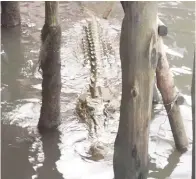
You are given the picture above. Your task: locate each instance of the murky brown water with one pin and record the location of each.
(25, 154)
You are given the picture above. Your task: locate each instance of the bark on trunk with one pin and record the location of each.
(50, 65)
(10, 15)
(193, 116)
(51, 13)
(138, 62)
(168, 91)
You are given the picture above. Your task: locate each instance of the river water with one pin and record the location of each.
(25, 154)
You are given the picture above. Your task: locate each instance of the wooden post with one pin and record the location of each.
(138, 62)
(51, 13)
(162, 31)
(10, 15)
(50, 65)
(193, 118)
(169, 94)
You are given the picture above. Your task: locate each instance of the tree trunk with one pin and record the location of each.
(138, 62)
(10, 15)
(51, 13)
(167, 88)
(50, 65)
(193, 118)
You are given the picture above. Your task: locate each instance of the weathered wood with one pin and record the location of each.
(51, 13)
(10, 15)
(193, 119)
(138, 63)
(50, 65)
(162, 28)
(165, 84)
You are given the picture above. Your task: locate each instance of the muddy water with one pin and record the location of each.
(25, 154)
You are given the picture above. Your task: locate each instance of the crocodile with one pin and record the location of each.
(97, 51)
(99, 102)
(93, 106)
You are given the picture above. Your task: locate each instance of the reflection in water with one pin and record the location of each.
(15, 145)
(14, 153)
(173, 160)
(50, 140)
(12, 61)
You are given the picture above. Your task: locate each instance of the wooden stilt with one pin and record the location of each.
(50, 65)
(169, 94)
(139, 29)
(193, 118)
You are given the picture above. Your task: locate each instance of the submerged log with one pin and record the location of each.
(139, 29)
(193, 119)
(50, 65)
(165, 84)
(10, 15)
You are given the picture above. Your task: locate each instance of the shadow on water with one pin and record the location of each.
(14, 153)
(173, 160)
(16, 142)
(50, 140)
(14, 84)
(16, 150)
